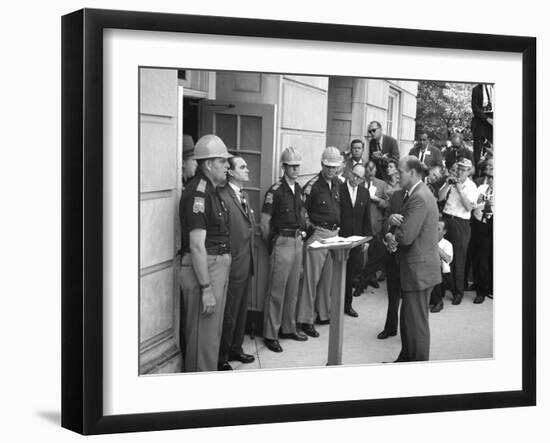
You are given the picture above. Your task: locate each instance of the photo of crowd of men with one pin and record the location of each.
(429, 212)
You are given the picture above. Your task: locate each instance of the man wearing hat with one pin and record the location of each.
(206, 257)
(322, 203)
(283, 225)
(459, 195)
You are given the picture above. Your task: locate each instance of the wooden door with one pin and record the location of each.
(248, 129)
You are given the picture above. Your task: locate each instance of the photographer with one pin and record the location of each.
(459, 195)
(482, 122)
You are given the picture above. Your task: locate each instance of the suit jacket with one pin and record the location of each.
(420, 267)
(241, 231)
(477, 105)
(355, 219)
(432, 156)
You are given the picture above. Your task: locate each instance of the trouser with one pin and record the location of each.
(354, 265)
(414, 326)
(316, 290)
(480, 130)
(458, 233)
(438, 292)
(377, 257)
(393, 287)
(282, 294)
(482, 256)
(234, 318)
(203, 332)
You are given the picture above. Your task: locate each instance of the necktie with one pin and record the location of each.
(406, 197)
(378, 146)
(422, 156)
(244, 203)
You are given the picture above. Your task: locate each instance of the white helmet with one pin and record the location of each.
(211, 146)
(331, 156)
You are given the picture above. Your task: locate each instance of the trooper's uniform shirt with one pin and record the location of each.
(284, 206)
(286, 225)
(323, 203)
(202, 208)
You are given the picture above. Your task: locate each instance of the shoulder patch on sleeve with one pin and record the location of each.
(269, 198)
(310, 184)
(201, 187)
(275, 186)
(198, 205)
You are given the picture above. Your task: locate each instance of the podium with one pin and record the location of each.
(339, 248)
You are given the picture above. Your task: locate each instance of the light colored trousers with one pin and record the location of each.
(203, 332)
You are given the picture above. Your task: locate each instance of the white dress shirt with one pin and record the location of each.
(352, 193)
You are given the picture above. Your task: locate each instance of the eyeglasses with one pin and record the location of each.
(372, 131)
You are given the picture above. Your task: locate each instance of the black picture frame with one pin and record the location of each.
(82, 219)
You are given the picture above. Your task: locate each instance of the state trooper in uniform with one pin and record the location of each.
(322, 203)
(206, 256)
(283, 224)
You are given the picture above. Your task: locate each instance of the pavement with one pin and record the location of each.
(458, 332)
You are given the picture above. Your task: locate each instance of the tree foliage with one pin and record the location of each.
(442, 109)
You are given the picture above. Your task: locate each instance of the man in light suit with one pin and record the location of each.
(241, 228)
(429, 155)
(381, 148)
(355, 220)
(416, 234)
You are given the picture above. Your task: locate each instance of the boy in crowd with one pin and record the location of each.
(446, 256)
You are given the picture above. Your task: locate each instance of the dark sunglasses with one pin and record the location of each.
(372, 130)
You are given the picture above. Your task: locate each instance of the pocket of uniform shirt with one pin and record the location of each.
(284, 209)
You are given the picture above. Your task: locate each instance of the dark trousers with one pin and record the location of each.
(393, 286)
(458, 233)
(482, 256)
(414, 326)
(377, 257)
(354, 265)
(438, 292)
(234, 318)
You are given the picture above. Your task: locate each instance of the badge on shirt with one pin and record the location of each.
(269, 198)
(201, 186)
(198, 205)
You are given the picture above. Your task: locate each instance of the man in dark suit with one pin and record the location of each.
(416, 234)
(482, 122)
(355, 220)
(429, 155)
(393, 281)
(241, 228)
(381, 148)
(356, 152)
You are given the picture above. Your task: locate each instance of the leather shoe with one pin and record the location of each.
(241, 356)
(224, 366)
(357, 292)
(385, 334)
(298, 336)
(351, 312)
(273, 345)
(437, 307)
(318, 321)
(457, 299)
(310, 330)
(373, 283)
(479, 299)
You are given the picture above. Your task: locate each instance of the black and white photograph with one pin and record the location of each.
(295, 221)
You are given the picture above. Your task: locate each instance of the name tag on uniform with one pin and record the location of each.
(198, 205)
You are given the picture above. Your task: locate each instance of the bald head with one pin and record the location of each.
(356, 175)
(411, 171)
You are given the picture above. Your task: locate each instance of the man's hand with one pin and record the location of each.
(377, 154)
(208, 301)
(490, 121)
(395, 220)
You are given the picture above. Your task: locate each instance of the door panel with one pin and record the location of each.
(248, 129)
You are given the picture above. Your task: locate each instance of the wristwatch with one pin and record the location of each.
(206, 286)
